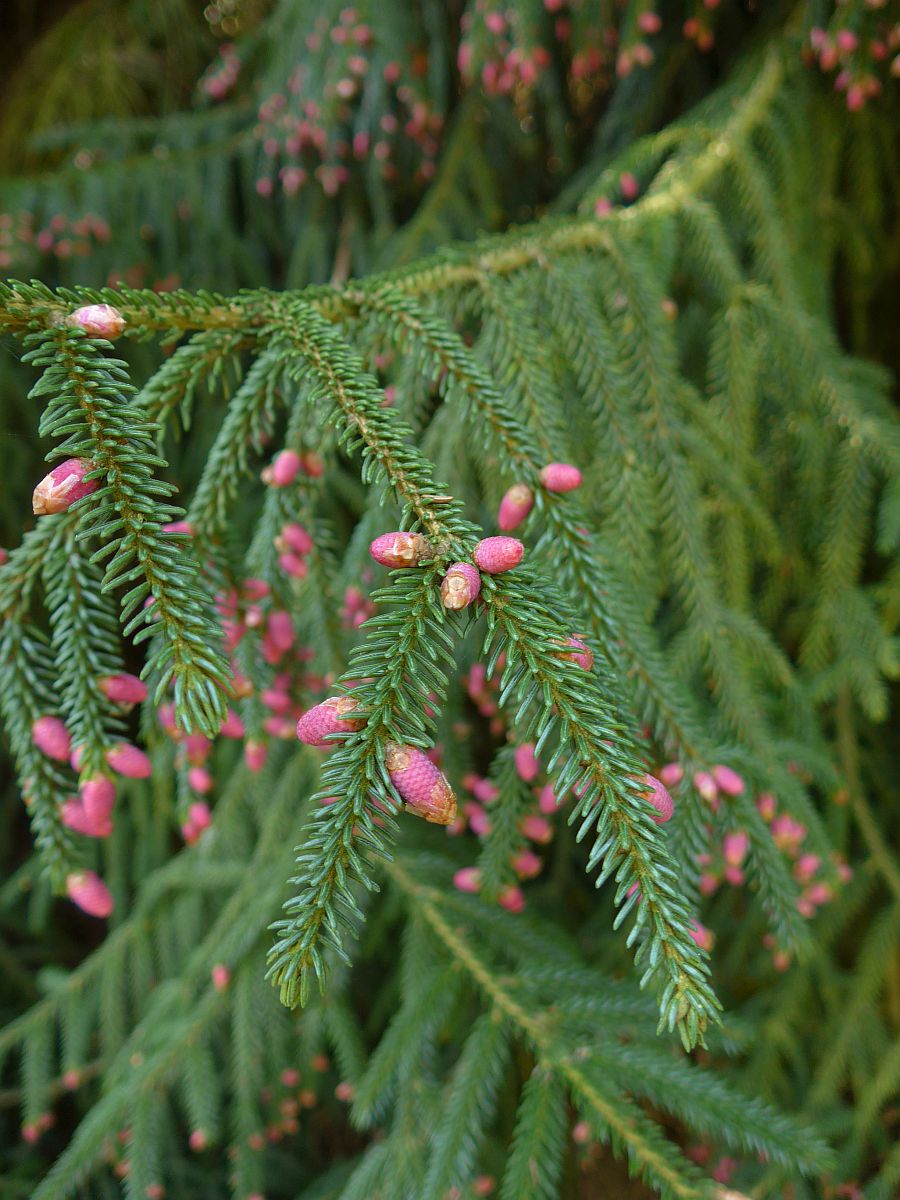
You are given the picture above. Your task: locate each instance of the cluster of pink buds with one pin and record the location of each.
(65, 484)
(293, 544)
(494, 51)
(90, 813)
(223, 75)
(483, 694)
(356, 608)
(856, 56)
(63, 236)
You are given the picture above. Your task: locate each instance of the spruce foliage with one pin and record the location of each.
(729, 561)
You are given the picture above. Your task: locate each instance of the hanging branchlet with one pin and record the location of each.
(89, 408)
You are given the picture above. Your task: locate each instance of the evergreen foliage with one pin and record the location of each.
(729, 565)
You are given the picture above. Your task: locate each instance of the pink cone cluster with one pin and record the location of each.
(65, 484)
(294, 544)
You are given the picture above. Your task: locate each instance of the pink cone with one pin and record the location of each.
(460, 587)
(706, 786)
(547, 800)
(129, 761)
(527, 864)
(99, 321)
(560, 477)
(400, 549)
(659, 797)
(671, 774)
(90, 893)
(221, 977)
(65, 484)
(527, 766)
(484, 791)
(98, 797)
(284, 469)
(735, 847)
(580, 654)
(316, 725)
(123, 689)
(705, 938)
(232, 726)
(280, 628)
(537, 829)
(512, 899)
(200, 780)
(74, 816)
(296, 538)
(515, 506)
(727, 780)
(419, 783)
(494, 555)
(467, 879)
(255, 755)
(51, 737)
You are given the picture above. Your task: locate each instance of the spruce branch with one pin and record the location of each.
(89, 408)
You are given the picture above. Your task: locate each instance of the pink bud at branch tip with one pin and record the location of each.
(123, 689)
(659, 797)
(494, 555)
(99, 321)
(319, 723)
(400, 549)
(461, 586)
(65, 484)
(515, 506)
(419, 783)
(90, 893)
(560, 477)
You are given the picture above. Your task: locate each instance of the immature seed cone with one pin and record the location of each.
(98, 797)
(65, 484)
(315, 726)
(423, 788)
(123, 689)
(494, 555)
(461, 586)
(98, 320)
(51, 737)
(129, 761)
(579, 653)
(400, 549)
(515, 506)
(728, 781)
(75, 816)
(659, 797)
(90, 893)
(283, 470)
(560, 477)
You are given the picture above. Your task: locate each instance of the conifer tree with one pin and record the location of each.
(447, 656)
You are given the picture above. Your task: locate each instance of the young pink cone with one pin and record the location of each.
(705, 938)
(123, 689)
(296, 538)
(735, 847)
(200, 780)
(280, 628)
(232, 726)
(527, 864)
(400, 549)
(460, 587)
(51, 737)
(537, 829)
(467, 879)
(494, 555)
(422, 787)
(90, 893)
(316, 725)
(255, 755)
(74, 816)
(65, 484)
(560, 477)
(284, 469)
(484, 791)
(98, 797)
(706, 786)
(728, 781)
(99, 321)
(671, 774)
(547, 800)
(221, 977)
(512, 899)
(659, 797)
(527, 766)
(129, 761)
(515, 506)
(580, 654)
